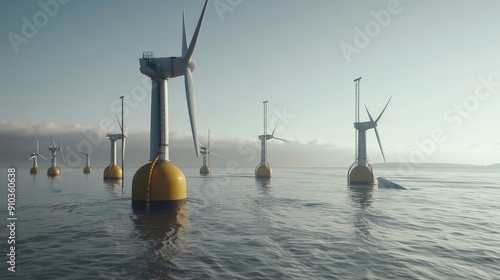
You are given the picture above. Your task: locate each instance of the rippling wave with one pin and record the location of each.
(301, 224)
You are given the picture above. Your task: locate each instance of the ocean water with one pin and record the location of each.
(302, 224)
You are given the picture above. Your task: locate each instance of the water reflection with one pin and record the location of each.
(163, 230)
(264, 185)
(361, 196)
(55, 182)
(362, 200)
(116, 186)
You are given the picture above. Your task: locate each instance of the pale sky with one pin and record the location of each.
(64, 66)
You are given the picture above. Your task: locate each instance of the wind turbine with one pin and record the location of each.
(53, 169)
(113, 171)
(263, 170)
(160, 183)
(205, 151)
(34, 156)
(87, 169)
(361, 171)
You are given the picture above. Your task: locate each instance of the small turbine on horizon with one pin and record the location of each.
(53, 169)
(205, 151)
(34, 156)
(113, 171)
(361, 171)
(160, 183)
(87, 169)
(263, 170)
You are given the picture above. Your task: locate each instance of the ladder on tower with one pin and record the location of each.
(163, 143)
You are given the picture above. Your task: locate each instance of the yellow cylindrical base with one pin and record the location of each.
(113, 172)
(167, 186)
(362, 175)
(35, 170)
(205, 170)
(53, 171)
(263, 171)
(87, 170)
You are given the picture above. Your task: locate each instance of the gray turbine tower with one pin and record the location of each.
(160, 182)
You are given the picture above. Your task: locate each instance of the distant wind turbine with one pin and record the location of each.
(206, 150)
(361, 171)
(113, 171)
(87, 169)
(54, 169)
(263, 170)
(34, 156)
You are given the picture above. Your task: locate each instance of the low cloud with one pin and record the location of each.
(20, 140)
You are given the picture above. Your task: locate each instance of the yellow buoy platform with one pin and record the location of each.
(87, 170)
(362, 175)
(263, 171)
(35, 170)
(112, 172)
(205, 170)
(163, 186)
(53, 171)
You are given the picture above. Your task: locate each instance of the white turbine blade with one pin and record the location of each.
(192, 44)
(42, 156)
(369, 115)
(212, 153)
(123, 154)
(282, 139)
(188, 78)
(184, 40)
(119, 124)
(60, 145)
(31, 158)
(274, 128)
(209, 145)
(64, 160)
(380, 144)
(53, 142)
(383, 110)
(37, 149)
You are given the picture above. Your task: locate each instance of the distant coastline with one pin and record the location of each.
(433, 165)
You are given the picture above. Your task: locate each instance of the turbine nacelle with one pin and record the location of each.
(37, 154)
(364, 126)
(203, 150)
(163, 68)
(114, 137)
(265, 137)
